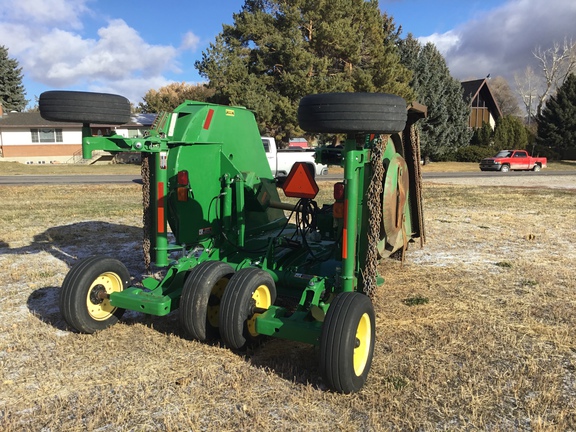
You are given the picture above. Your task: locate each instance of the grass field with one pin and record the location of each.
(474, 332)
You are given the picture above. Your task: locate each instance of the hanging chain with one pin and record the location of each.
(146, 214)
(375, 215)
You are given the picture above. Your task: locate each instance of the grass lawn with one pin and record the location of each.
(475, 331)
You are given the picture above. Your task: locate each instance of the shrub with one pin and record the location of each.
(473, 153)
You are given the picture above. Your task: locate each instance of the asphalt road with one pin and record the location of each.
(119, 179)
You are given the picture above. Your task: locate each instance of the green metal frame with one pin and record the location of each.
(233, 213)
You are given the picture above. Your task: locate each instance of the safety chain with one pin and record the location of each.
(415, 143)
(375, 215)
(146, 214)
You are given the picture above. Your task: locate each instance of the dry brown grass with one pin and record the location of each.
(17, 168)
(494, 347)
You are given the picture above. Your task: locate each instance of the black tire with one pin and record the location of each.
(347, 342)
(80, 304)
(249, 288)
(200, 300)
(352, 113)
(84, 107)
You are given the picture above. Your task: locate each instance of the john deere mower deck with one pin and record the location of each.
(235, 253)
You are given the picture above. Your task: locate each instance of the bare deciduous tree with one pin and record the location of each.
(527, 87)
(505, 97)
(556, 63)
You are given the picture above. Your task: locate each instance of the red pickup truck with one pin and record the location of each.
(507, 160)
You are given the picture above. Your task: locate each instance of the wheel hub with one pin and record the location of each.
(98, 294)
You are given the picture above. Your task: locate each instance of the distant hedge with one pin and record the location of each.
(474, 153)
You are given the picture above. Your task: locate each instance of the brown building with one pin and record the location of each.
(483, 105)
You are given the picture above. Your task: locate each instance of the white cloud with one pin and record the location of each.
(44, 36)
(45, 12)
(190, 42)
(444, 42)
(501, 41)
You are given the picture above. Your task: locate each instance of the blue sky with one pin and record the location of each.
(128, 47)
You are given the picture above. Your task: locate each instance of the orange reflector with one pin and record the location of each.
(338, 210)
(182, 193)
(300, 182)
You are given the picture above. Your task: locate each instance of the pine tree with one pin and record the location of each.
(445, 129)
(510, 133)
(278, 51)
(557, 122)
(11, 89)
(482, 136)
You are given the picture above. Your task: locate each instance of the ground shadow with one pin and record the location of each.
(43, 304)
(74, 242)
(290, 360)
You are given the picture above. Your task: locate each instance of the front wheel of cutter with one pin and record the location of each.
(249, 291)
(84, 296)
(347, 342)
(201, 296)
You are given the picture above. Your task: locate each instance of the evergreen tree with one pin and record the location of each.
(483, 136)
(278, 51)
(510, 133)
(11, 89)
(445, 129)
(557, 122)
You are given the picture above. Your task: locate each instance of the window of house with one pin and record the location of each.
(46, 135)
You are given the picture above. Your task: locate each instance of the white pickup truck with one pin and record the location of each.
(281, 161)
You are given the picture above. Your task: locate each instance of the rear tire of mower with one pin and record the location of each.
(201, 296)
(352, 113)
(347, 342)
(249, 288)
(80, 305)
(84, 107)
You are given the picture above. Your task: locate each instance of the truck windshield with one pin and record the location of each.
(503, 154)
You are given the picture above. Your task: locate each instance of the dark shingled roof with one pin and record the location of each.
(471, 89)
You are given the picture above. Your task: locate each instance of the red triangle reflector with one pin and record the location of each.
(300, 182)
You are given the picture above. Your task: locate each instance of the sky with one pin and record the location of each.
(128, 47)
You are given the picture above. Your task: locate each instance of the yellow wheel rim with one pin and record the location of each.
(363, 342)
(100, 308)
(213, 311)
(262, 299)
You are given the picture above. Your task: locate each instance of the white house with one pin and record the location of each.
(28, 138)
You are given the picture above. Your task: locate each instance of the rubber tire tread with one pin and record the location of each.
(235, 306)
(352, 113)
(338, 339)
(84, 107)
(72, 301)
(196, 295)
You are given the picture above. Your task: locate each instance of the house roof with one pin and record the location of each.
(480, 87)
(34, 119)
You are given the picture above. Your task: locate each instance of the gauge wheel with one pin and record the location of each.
(84, 107)
(85, 293)
(347, 342)
(352, 113)
(249, 291)
(201, 296)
